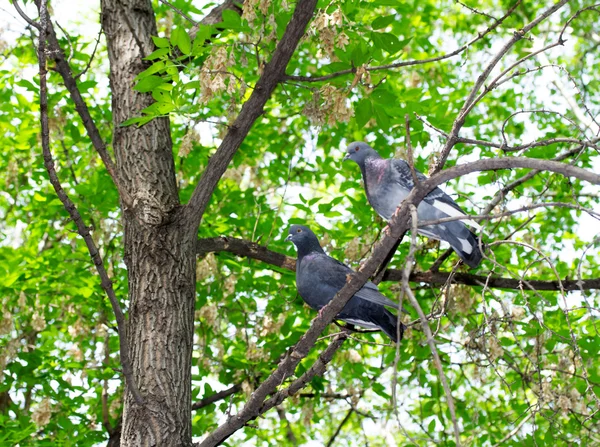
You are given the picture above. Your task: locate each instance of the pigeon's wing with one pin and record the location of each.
(336, 273)
(370, 292)
(437, 198)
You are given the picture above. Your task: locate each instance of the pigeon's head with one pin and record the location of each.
(359, 152)
(303, 238)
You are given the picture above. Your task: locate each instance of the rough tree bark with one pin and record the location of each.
(159, 250)
(160, 246)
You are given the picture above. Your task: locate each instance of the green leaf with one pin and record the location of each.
(157, 54)
(160, 42)
(231, 20)
(382, 22)
(149, 83)
(154, 68)
(387, 42)
(363, 112)
(181, 39)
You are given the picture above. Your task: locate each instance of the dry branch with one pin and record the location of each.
(257, 404)
(57, 54)
(82, 229)
(398, 225)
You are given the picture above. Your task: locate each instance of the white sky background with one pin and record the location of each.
(83, 17)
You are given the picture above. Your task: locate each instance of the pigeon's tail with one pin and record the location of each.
(388, 322)
(464, 242)
(466, 245)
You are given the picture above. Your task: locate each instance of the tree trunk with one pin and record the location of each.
(159, 250)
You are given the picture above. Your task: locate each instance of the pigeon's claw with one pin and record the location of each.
(387, 230)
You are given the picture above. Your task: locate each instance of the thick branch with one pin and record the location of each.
(339, 427)
(493, 164)
(398, 225)
(257, 405)
(317, 369)
(251, 110)
(252, 250)
(82, 229)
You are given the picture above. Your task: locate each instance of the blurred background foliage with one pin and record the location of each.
(522, 364)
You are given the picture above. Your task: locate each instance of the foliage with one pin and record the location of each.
(518, 361)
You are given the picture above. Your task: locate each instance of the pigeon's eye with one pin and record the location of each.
(298, 230)
(356, 149)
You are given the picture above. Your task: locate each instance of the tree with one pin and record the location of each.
(212, 137)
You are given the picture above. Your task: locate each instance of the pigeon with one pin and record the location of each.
(319, 277)
(389, 181)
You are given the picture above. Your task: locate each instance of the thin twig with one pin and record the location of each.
(179, 11)
(462, 115)
(339, 427)
(436, 360)
(456, 52)
(89, 63)
(58, 55)
(409, 151)
(25, 17)
(245, 248)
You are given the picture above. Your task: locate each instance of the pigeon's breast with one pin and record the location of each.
(384, 195)
(309, 284)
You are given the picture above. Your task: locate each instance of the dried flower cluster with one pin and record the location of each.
(206, 267)
(330, 37)
(42, 413)
(38, 322)
(214, 73)
(352, 250)
(209, 313)
(330, 105)
(187, 142)
(7, 353)
(114, 408)
(270, 326)
(6, 322)
(462, 298)
(495, 350)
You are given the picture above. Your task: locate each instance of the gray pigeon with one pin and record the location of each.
(319, 277)
(388, 182)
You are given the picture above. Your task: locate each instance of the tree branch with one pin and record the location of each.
(339, 427)
(257, 405)
(456, 52)
(82, 229)
(215, 15)
(462, 115)
(56, 52)
(398, 225)
(251, 110)
(206, 401)
(252, 250)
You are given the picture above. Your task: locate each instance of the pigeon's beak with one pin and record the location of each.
(346, 157)
(289, 237)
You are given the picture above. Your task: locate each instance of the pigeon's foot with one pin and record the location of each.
(321, 312)
(387, 230)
